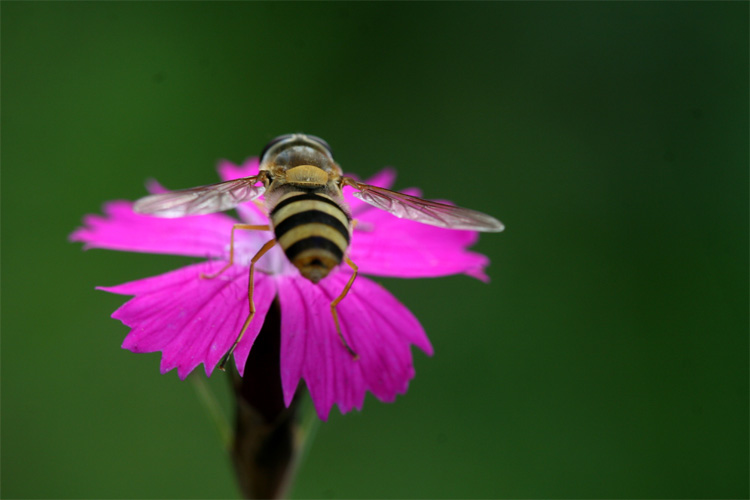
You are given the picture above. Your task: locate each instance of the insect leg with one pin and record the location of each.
(231, 247)
(339, 299)
(250, 286)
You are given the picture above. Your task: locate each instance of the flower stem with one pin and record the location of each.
(270, 438)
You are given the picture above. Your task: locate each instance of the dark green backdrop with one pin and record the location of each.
(607, 358)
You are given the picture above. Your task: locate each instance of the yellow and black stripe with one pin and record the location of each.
(313, 231)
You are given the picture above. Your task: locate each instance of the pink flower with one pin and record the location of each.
(192, 320)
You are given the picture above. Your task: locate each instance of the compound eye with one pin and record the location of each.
(273, 143)
(322, 143)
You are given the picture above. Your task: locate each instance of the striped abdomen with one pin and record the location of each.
(313, 230)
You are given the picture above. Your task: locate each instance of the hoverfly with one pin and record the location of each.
(309, 217)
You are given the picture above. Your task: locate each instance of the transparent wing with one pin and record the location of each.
(424, 211)
(201, 200)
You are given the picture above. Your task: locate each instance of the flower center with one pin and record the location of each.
(248, 243)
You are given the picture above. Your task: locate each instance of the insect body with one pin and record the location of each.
(313, 230)
(306, 207)
(310, 219)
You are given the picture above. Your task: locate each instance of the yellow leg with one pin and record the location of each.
(231, 247)
(250, 287)
(339, 299)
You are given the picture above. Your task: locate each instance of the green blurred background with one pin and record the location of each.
(608, 357)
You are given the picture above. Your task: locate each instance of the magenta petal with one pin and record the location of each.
(229, 171)
(154, 187)
(122, 229)
(378, 327)
(384, 245)
(192, 320)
